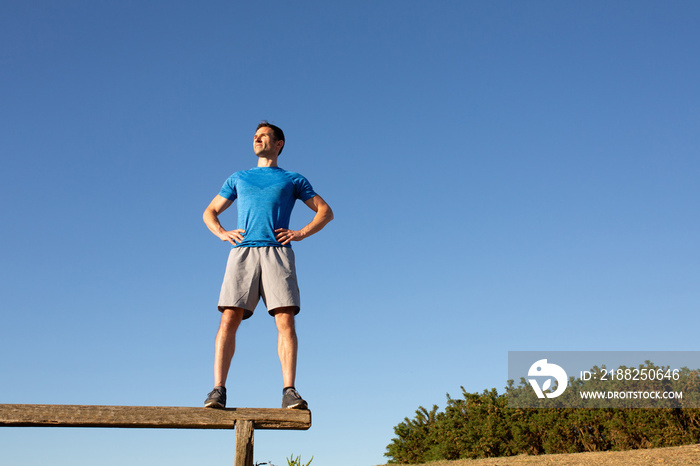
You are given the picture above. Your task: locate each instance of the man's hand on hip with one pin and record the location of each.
(285, 236)
(232, 236)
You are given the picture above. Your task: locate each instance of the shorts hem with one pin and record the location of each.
(247, 313)
(297, 309)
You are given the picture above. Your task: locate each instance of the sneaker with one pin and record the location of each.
(216, 398)
(292, 400)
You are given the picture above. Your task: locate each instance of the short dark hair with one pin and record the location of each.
(276, 130)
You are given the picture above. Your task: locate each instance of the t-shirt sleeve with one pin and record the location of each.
(304, 191)
(228, 190)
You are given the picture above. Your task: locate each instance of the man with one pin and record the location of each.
(261, 261)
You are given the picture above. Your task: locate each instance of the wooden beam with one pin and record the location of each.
(158, 417)
(244, 444)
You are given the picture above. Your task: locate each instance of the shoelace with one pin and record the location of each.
(217, 390)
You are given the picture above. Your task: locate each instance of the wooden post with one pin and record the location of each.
(244, 443)
(244, 420)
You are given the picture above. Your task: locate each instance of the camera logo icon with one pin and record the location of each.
(543, 369)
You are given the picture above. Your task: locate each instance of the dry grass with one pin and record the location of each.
(685, 455)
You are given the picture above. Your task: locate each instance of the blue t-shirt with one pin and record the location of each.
(266, 196)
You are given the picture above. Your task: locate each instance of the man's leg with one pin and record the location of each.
(287, 349)
(287, 344)
(225, 345)
(224, 348)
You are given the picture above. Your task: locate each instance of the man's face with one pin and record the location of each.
(265, 144)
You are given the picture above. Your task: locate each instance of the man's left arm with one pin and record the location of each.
(324, 214)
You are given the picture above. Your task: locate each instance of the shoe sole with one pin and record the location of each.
(301, 405)
(214, 404)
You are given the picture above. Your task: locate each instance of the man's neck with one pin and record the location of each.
(267, 161)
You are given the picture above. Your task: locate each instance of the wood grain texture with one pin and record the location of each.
(153, 417)
(244, 444)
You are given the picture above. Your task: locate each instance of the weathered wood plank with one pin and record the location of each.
(158, 417)
(244, 444)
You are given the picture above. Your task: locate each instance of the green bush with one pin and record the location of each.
(481, 425)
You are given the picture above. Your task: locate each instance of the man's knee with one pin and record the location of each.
(284, 318)
(231, 317)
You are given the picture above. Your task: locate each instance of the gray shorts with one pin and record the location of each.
(254, 272)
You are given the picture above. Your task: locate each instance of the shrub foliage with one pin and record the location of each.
(481, 425)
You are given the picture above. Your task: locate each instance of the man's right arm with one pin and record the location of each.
(211, 220)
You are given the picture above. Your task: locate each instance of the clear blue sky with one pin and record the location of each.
(504, 176)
